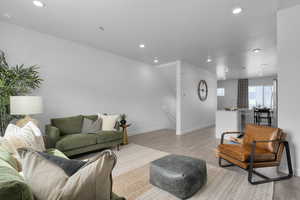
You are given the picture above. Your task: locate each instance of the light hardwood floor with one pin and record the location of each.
(201, 144)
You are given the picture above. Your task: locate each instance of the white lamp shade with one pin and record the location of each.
(26, 105)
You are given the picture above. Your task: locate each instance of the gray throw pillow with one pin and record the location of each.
(70, 166)
(90, 126)
(49, 181)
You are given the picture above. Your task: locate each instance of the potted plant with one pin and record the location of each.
(14, 81)
(123, 119)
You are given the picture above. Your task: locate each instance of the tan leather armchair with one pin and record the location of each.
(261, 146)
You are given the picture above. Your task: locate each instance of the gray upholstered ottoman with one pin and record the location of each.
(181, 176)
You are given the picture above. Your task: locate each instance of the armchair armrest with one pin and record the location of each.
(228, 133)
(253, 146)
(53, 135)
(264, 141)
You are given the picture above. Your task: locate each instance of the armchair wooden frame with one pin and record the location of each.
(252, 164)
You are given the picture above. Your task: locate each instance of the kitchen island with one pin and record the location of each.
(227, 121)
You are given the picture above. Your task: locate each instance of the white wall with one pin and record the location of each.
(262, 81)
(83, 80)
(288, 40)
(196, 114)
(168, 72)
(230, 98)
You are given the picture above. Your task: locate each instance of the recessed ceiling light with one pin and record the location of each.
(38, 4)
(257, 50)
(142, 46)
(209, 60)
(101, 28)
(237, 10)
(155, 60)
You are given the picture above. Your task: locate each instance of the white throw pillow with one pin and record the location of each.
(7, 146)
(34, 136)
(27, 136)
(14, 137)
(109, 122)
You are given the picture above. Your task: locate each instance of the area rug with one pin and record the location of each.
(131, 180)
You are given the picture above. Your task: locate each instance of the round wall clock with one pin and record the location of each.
(202, 90)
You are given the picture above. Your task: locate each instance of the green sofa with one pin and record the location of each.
(65, 135)
(12, 184)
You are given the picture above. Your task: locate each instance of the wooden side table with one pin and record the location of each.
(125, 134)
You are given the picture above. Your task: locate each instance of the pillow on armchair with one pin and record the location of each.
(92, 181)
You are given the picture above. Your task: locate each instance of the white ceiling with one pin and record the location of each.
(171, 29)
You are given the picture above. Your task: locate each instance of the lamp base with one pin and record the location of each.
(25, 120)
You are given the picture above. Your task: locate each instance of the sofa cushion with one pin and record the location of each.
(56, 152)
(74, 141)
(107, 136)
(12, 185)
(242, 153)
(68, 125)
(91, 117)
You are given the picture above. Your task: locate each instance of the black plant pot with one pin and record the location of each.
(123, 122)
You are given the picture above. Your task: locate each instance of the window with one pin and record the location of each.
(260, 96)
(220, 92)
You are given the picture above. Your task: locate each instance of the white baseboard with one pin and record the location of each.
(183, 132)
(132, 133)
(297, 172)
(160, 129)
(284, 169)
